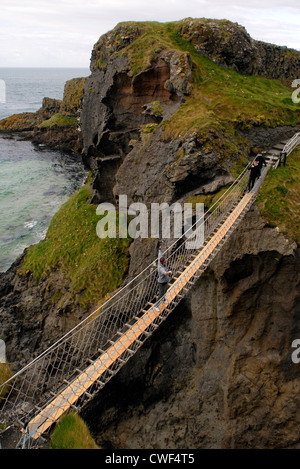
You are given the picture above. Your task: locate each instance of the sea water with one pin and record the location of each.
(23, 89)
(34, 181)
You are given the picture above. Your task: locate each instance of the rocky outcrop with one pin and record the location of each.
(27, 121)
(117, 105)
(186, 165)
(230, 45)
(68, 138)
(30, 317)
(123, 107)
(55, 124)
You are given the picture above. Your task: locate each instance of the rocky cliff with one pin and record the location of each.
(230, 45)
(173, 112)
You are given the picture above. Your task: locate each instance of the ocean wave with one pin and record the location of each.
(30, 224)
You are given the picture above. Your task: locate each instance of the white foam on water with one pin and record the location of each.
(30, 224)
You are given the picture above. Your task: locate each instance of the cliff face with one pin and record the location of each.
(31, 319)
(116, 106)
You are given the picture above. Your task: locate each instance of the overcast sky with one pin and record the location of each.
(61, 33)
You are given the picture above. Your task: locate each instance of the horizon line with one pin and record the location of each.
(35, 66)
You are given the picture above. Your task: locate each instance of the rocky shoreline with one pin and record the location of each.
(55, 124)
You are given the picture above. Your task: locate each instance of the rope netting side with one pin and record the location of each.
(46, 376)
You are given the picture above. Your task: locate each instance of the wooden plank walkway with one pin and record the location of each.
(80, 385)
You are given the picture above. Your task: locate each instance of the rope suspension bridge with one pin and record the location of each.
(69, 373)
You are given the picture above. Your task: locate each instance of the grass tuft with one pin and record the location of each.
(278, 199)
(72, 433)
(5, 374)
(60, 120)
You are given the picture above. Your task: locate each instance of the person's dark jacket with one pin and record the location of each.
(261, 161)
(254, 171)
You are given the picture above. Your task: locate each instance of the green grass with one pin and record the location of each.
(72, 433)
(94, 266)
(73, 92)
(148, 128)
(223, 98)
(278, 199)
(208, 200)
(60, 120)
(154, 37)
(5, 374)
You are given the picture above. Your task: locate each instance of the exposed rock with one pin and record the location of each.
(67, 138)
(25, 121)
(49, 108)
(264, 138)
(230, 45)
(116, 106)
(111, 42)
(184, 165)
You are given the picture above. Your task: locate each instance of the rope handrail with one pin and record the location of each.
(69, 395)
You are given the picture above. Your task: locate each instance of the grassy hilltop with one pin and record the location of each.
(221, 97)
